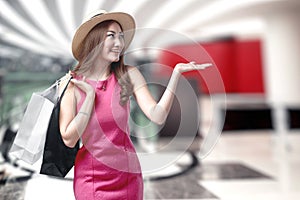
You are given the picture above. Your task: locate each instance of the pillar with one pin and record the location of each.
(282, 66)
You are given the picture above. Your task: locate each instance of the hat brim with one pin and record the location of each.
(125, 20)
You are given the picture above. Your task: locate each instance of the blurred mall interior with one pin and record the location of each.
(233, 129)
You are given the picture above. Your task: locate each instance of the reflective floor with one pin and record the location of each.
(256, 165)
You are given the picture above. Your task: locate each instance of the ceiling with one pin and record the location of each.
(46, 26)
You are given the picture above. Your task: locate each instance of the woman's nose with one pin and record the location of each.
(119, 41)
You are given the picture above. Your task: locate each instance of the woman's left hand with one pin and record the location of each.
(186, 67)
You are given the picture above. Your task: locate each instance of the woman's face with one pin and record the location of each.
(113, 43)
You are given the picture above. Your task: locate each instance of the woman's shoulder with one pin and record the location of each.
(132, 70)
(65, 81)
(130, 67)
(135, 75)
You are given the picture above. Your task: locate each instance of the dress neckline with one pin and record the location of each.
(99, 81)
(80, 77)
(100, 84)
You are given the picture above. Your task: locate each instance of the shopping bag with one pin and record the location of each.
(29, 142)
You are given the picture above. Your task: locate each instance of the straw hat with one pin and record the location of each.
(125, 20)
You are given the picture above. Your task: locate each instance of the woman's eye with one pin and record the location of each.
(110, 35)
(113, 35)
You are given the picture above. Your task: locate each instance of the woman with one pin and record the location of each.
(95, 108)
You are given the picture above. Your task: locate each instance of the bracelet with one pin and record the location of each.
(84, 113)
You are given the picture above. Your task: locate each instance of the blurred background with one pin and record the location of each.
(241, 118)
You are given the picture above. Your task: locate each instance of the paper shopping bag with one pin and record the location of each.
(29, 142)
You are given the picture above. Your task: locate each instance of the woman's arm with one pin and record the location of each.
(158, 111)
(73, 124)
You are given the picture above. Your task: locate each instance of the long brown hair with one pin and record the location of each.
(89, 51)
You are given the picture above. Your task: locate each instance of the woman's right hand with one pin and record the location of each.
(84, 86)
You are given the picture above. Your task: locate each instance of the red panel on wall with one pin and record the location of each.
(222, 53)
(249, 73)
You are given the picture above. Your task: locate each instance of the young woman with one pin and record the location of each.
(95, 108)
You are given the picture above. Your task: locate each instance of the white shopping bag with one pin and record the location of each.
(29, 142)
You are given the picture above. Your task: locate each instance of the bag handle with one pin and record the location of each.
(65, 88)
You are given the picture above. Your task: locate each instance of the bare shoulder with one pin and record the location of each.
(63, 83)
(131, 68)
(133, 72)
(137, 79)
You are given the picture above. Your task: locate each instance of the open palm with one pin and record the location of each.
(186, 67)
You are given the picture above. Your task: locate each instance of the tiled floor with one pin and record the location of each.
(265, 153)
(243, 165)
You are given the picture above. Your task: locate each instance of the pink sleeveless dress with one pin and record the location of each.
(106, 166)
